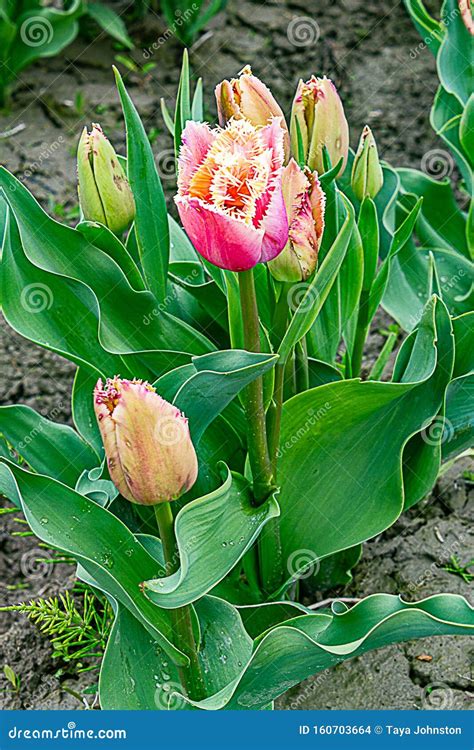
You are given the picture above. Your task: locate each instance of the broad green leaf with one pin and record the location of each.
(44, 313)
(101, 236)
(129, 321)
(101, 543)
(459, 421)
(445, 118)
(47, 447)
(213, 533)
(203, 390)
(316, 292)
(326, 432)
(82, 405)
(137, 675)
(151, 220)
(455, 61)
(289, 653)
(430, 30)
(438, 202)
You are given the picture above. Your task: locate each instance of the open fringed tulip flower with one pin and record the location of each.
(229, 192)
(319, 113)
(149, 451)
(305, 204)
(104, 191)
(247, 97)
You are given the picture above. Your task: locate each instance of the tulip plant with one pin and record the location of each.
(224, 444)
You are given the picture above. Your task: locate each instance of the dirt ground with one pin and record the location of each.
(369, 48)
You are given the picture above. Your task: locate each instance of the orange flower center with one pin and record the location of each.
(235, 172)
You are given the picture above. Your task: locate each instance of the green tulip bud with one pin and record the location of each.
(104, 191)
(367, 175)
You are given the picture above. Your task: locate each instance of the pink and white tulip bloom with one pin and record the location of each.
(150, 455)
(305, 204)
(229, 192)
(247, 97)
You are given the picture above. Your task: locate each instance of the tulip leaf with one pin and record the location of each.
(47, 303)
(129, 321)
(455, 70)
(325, 433)
(292, 651)
(203, 389)
(46, 446)
(430, 30)
(318, 289)
(213, 533)
(136, 675)
(151, 220)
(99, 541)
(101, 236)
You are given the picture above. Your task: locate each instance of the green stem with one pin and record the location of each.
(191, 676)
(302, 369)
(275, 422)
(253, 395)
(362, 328)
(269, 544)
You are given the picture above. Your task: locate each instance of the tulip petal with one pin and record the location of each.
(197, 138)
(223, 240)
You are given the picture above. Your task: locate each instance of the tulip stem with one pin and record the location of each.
(191, 677)
(253, 395)
(362, 328)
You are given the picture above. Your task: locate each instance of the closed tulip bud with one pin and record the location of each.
(465, 8)
(248, 98)
(319, 113)
(367, 175)
(150, 455)
(104, 192)
(305, 204)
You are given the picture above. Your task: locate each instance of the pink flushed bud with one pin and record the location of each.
(150, 455)
(247, 97)
(230, 197)
(319, 113)
(305, 204)
(466, 13)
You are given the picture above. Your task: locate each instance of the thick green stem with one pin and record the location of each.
(253, 395)
(362, 328)
(269, 544)
(275, 423)
(191, 676)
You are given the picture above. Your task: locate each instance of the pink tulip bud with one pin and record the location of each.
(319, 113)
(229, 192)
(305, 204)
(150, 455)
(248, 98)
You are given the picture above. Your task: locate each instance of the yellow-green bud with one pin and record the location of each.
(367, 175)
(104, 191)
